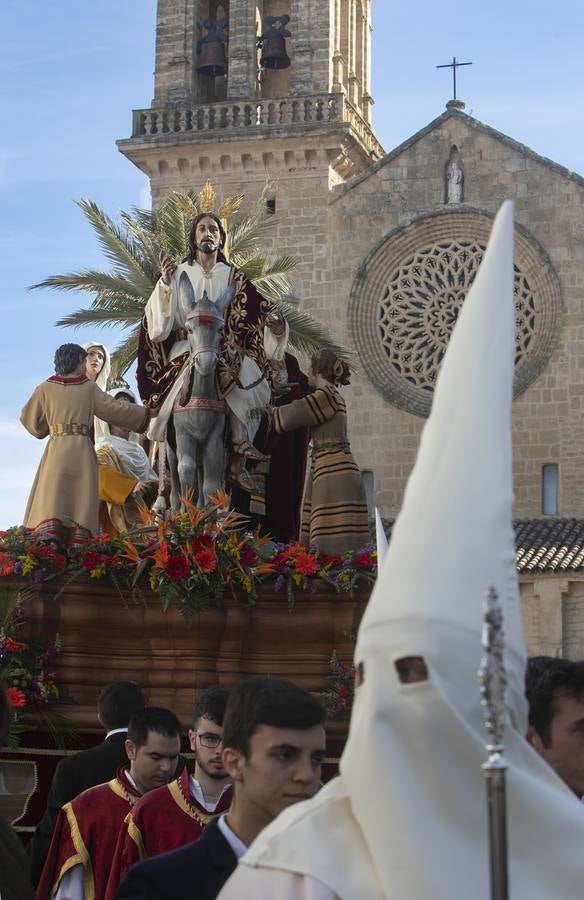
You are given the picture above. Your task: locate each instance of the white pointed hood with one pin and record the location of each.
(380, 540)
(412, 764)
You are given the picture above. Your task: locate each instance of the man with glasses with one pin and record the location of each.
(176, 814)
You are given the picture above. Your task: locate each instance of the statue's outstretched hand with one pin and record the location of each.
(280, 389)
(167, 268)
(276, 323)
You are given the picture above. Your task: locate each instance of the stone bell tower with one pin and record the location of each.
(246, 89)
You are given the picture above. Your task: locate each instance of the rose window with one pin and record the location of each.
(409, 292)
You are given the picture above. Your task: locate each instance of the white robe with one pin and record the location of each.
(251, 884)
(314, 850)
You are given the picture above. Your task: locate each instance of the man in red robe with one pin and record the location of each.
(77, 866)
(176, 814)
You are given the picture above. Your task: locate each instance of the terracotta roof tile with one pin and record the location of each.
(544, 545)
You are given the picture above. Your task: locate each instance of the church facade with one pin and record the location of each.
(388, 245)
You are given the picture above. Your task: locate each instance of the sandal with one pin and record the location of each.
(244, 480)
(244, 448)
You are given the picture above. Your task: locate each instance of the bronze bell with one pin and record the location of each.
(273, 44)
(211, 49)
(212, 59)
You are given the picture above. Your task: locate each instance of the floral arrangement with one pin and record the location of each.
(27, 671)
(198, 553)
(340, 690)
(191, 558)
(297, 566)
(21, 554)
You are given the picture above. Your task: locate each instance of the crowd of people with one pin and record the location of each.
(129, 819)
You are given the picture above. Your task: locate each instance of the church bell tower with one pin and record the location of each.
(249, 88)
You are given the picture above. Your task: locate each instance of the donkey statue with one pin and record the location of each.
(199, 414)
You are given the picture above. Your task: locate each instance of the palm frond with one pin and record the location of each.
(307, 335)
(104, 318)
(172, 227)
(147, 242)
(125, 354)
(117, 244)
(92, 281)
(145, 218)
(271, 275)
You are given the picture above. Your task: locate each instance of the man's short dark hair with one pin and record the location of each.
(152, 718)
(547, 680)
(117, 701)
(268, 701)
(212, 704)
(68, 357)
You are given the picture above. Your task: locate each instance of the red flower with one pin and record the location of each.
(6, 564)
(202, 542)
(306, 564)
(296, 547)
(11, 645)
(328, 560)
(43, 551)
(91, 560)
(364, 561)
(247, 556)
(177, 568)
(60, 561)
(206, 561)
(278, 562)
(343, 692)
(15, 697)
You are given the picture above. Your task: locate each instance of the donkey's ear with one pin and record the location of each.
(224, 299)
(186, 292)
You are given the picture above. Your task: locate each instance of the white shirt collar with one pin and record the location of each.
(236, 844)
(197, 793)
(115, 731)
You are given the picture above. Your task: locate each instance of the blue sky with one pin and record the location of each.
(71, 72)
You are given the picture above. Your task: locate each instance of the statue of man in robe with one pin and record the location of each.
(255, 369)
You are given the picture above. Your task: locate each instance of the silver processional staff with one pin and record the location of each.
(493, 681)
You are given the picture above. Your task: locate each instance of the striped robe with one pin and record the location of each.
(334, 513)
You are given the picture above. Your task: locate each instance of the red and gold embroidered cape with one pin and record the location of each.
(164, 819)
(85, 834)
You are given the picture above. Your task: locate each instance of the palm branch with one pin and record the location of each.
(133, 246)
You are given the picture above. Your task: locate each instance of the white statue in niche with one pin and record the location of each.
(454, 187)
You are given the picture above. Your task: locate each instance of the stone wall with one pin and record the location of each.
(553, 615)
(408, 184)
